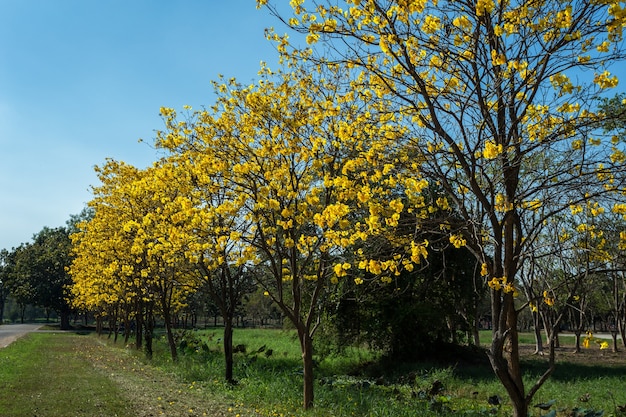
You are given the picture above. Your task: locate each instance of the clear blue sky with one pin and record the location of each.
(83, 80)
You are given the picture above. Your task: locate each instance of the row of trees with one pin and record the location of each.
(254, 194)
(418, 133)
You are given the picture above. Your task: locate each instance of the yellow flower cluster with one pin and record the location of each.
(458, 241)
(484, 7)
(605, 80)
(341, 270)
(502, 203)
(491, 150)
(548, 299)
(504, 285)
(590, 338)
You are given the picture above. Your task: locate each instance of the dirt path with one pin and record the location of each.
(11, 332)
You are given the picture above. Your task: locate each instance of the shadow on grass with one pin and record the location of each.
(473, 365)
(568, 371)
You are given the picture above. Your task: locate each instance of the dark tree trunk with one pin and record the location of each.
(306, 344)
(504, 351)
(614, 334)
(537, 331)
(65, 319)
(148, 333)
(228, 348)
(476, 326)
(2, 301)
(139, 330)
(170, 335)
(577, 335)
(99, 326)
(127, 328)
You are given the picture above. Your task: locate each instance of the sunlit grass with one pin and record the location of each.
(356, 382)
(41, 375)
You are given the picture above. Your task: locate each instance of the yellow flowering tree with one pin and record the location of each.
(100, 284)
(206, 227)
(482, 88)
(283, 162)
(126, 260)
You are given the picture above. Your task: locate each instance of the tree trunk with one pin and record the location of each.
(306, 345)
(614, 338)
(114, 326)
(65, 319)
(148, 333)
(170, 341)
(504, 353)
(228, 348)
(99, 325)
(537, 331)
(476, 336)
(167, 317)
(139, 330)
(577, 334)
(127, 328)
(476, 327)
(2, 301)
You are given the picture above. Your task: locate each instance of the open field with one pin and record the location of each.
(70, 374)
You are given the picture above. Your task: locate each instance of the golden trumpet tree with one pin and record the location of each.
(100, 249)
(483, 89)
(126, 255)
(207, 227)
(293, 168)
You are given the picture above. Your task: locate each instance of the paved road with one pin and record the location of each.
(11, 332)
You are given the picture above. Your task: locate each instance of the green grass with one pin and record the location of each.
(41, 375)
(78, 375)
(357, 383)
(74, 375)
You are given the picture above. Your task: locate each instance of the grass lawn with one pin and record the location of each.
(68, 374)
(356, 383)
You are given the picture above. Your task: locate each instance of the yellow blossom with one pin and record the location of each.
(492, 150)
(458, 241)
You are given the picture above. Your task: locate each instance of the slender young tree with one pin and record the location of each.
(205, 225)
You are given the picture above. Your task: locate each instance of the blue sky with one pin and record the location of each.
(83, 80)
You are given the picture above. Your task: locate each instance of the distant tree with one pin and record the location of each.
(45, 262)
(4, 281)
(17, 280)
(35, 273)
